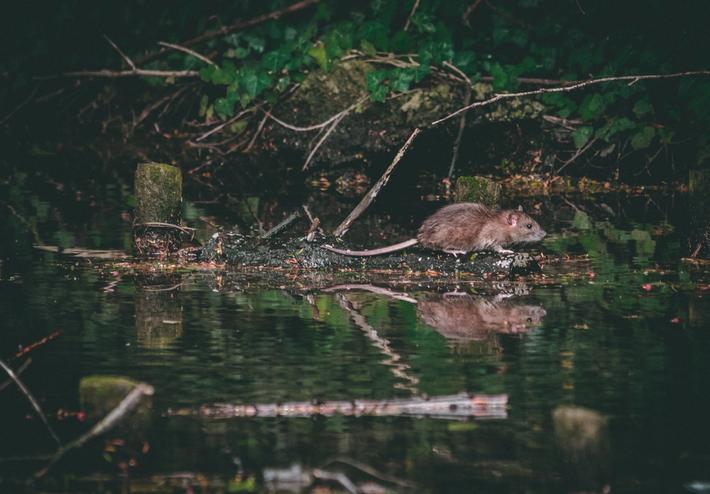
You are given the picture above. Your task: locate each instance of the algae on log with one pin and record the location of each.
(239, 251)
(158, 192)
(370, 129)
(478, 189)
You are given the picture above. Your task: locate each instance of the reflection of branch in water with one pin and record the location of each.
(129, 402)
(371, 471)
(399, 369)
(31, 399)
(19, 371)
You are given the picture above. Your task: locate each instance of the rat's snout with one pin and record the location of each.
(543, 233)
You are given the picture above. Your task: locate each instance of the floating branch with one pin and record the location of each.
(131, 401)
(459, 406)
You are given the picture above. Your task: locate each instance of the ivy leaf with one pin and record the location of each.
(274, 60)
(642, 108)
(254, 82)
(501, 78)
(368, 48)
(592, 107)
(582, 136)
(403, 79)
(319, 55)
(643, 138)
(376, 85)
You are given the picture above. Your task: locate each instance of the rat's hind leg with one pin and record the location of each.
(455, 252)
(501, 250)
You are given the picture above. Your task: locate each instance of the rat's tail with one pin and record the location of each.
(373, 252)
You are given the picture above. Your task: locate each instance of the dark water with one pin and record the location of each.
(620, 329)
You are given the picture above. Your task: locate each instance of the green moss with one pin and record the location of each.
(477, 189)
(158, 192)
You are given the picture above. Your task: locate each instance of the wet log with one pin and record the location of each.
(240, 251)
(156, 225)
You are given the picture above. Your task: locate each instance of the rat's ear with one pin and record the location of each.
(520, 208)
(513, 218)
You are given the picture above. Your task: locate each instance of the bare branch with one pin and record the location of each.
(320, 125)
(370, 196)
(321, 141)
(186, 50)
(31, 399)
(223, 31)
(411, 13)
(117, 74)
(573, 87)
(123, 55)
(462, 121)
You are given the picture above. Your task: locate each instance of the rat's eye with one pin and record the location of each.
(529, 225)
(529, 320)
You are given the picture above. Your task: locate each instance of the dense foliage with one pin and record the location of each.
(508, 43)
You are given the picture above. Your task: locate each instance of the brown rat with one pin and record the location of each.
(465, 227)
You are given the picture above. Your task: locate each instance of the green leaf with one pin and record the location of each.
(592, 107)
(368, 48)
(403, 79)
(582, 136)
(642, 108)
(376, 85)
(319, 55)
(643, 138)
(501, 78)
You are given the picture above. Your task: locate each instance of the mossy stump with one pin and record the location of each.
(482, 190)
(156, 225)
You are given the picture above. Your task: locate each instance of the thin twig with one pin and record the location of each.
(371, 471)
(381, 182)
(153, 106)
(576, 155)
(223, 31)
(31, 399)
(469, 11)
(118, 74)
(259, 128)
(280, 226)
(159, 224)
(224, 124)
(321, 141)
(20, 106)
(19, 371)
(120, 52)
(572, 87)
(462, 121)
(411, 13)
(129, 402)
(186, 50)
(322, 124)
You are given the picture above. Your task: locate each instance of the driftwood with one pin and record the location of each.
(459, 406)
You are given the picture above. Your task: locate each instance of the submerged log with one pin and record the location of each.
(457, 406)
(156, 226)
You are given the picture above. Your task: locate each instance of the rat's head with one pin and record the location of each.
(523, 227)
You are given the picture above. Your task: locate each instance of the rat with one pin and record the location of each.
(464, 227)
